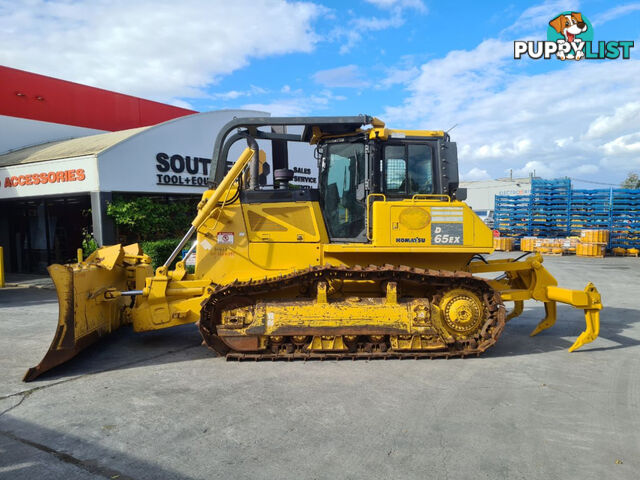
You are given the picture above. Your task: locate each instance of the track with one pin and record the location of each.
(435, 282)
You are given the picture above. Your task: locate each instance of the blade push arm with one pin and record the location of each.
(227, 181)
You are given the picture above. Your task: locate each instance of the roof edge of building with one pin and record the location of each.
(177, 119)
(127, 135)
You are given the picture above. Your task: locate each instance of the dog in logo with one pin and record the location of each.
(569, 25)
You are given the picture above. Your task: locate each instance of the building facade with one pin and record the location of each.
(66, 149)
(481, 194)
(51, 193)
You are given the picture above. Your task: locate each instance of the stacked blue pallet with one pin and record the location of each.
(511, 215)
(549, 207)
(589, 209)
(553, 209)
(625, 218)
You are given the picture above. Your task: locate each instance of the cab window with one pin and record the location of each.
(408, 169)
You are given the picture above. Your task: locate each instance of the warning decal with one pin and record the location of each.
(225, 238)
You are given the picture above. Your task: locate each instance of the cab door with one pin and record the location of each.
(342, 187)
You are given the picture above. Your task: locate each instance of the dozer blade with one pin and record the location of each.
(85, 315)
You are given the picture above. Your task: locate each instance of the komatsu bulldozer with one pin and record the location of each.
(382, 259)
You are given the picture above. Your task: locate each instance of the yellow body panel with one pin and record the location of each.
(429, 225)
(285, 222)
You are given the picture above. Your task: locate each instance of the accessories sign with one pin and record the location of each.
(54, 177)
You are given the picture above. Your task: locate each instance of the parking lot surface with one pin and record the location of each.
(159, 405)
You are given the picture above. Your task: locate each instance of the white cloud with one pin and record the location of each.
(376, 23)
(475, 174)
(537, 168)
(387, 4)
(587, 169)
(626, 117)
(235, 94)
(348, 76)
(562, 142)
(614, 13)
(448, 83)
(297, 104)
(570, 115)
(358, 27)
(156, 49)
(399, 76)
(624, 145)
(280, 108)
(537, 17)
(181, 103)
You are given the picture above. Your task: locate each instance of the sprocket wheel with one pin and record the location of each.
(462, 312)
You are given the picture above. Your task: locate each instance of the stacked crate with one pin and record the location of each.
(589, 209)
(504, 244)
(625, 219)
(549, 207)
(593, 243)
(590, 250)
(554, 209)
(549, 246)
(511, 215)
(527, 244)
(600, 237)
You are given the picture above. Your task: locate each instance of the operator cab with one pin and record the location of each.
(355, 167)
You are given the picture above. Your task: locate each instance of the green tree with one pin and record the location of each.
(89, 244)
(632, 181)
(148, 218)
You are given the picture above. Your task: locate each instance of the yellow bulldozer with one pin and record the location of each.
(382, 259)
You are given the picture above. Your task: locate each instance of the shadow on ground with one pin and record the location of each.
(45, 448)
(516, 339)
(125, 349)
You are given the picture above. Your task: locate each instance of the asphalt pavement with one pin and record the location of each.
(160, 406)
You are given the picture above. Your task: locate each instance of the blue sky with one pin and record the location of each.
(414, 63)
(422, 31)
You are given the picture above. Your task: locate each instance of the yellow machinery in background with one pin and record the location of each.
(383, 259)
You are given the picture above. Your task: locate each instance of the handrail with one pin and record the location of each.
(367, 220)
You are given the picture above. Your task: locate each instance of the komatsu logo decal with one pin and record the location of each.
(411, 240)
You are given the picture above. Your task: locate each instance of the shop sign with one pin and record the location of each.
(48, 178)
(182, 171)
(190, 171)
(72, 175)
